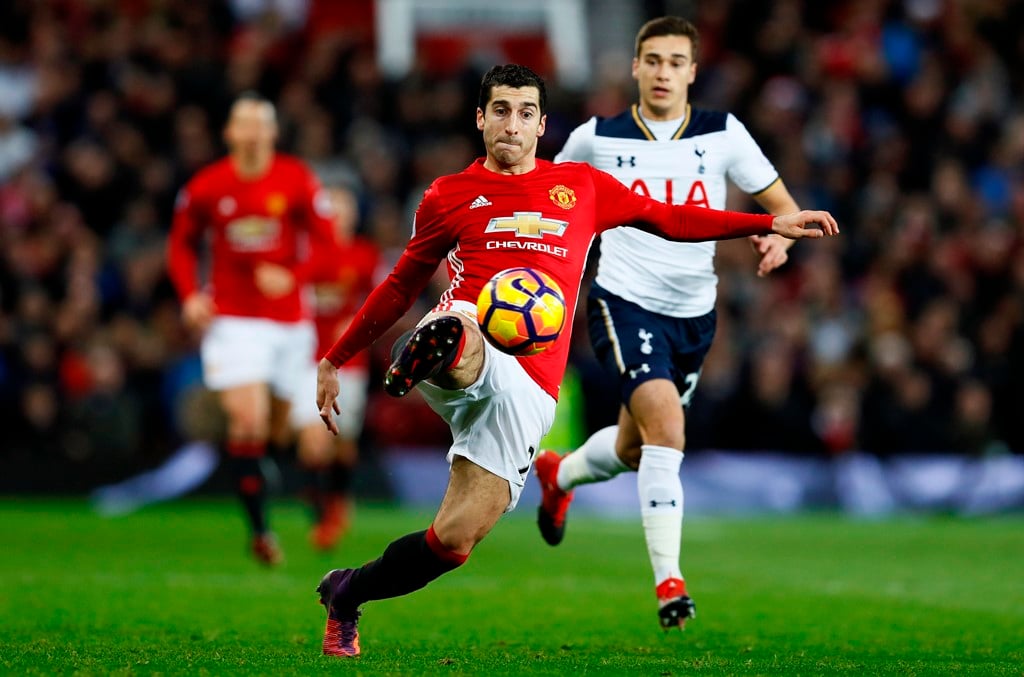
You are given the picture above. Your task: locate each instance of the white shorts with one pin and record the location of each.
(353, 383)
(497, 422)
(241, 350)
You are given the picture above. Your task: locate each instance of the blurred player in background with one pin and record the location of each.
(339, 288)
(505, 210)
(267, 224)
(652, 307)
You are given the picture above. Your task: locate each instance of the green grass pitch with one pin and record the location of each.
(170, 590)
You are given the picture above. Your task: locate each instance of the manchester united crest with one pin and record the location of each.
(562, 196)
(277, 204)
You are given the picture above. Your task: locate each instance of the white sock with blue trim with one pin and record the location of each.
(661, 508)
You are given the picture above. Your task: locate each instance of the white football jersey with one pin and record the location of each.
(679, 162)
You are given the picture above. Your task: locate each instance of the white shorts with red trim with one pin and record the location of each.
(241, 350)
(498, 421)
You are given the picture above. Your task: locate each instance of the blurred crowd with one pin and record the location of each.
(903, 117)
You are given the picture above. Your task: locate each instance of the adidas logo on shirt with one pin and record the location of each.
(480, 201)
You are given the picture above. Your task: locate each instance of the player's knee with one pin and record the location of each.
(662, 431)
(244, 425)
(666, 436)
(314, 449)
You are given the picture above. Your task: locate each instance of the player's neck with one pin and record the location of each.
(675, 113)
(522, 167)
(252, 167)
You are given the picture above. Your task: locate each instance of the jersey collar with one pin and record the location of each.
(649, 134)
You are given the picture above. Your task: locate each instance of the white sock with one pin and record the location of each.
(661, 508)
(595, 461)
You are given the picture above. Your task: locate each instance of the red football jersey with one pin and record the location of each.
(281, 217)
(484, 222)
(340, 289)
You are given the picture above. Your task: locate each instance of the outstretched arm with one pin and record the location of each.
(618, 205)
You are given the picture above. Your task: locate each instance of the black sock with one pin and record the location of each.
(318, 481)
(340, 481)
(281, 450)
(407, 564)
(252, 491)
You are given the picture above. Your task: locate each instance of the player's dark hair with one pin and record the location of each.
(511, 75)
(252, 95)
(669, 25)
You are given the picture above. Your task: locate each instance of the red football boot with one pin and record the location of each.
(674, 606)
(554, 503)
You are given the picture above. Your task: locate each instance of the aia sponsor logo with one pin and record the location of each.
(696, 196)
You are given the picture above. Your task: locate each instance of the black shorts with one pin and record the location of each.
(636, 345)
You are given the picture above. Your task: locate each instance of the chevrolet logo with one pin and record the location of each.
(527, 224)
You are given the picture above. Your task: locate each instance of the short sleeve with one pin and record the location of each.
(579, 147)
(750, 170)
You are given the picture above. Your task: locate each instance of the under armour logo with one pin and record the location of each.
(623, 161)
(700, 155)
(642, 369)
(646, 337)
(655, 504)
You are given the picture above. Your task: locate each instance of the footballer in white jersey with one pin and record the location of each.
(651, 309)
(681, 161)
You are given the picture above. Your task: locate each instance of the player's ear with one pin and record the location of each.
(636, 68)
(480, 119)
(542, 124)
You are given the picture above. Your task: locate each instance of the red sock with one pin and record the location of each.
(246, 449)
(450, 556)
(454, 362)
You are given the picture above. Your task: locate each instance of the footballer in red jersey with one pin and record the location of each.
(338, 290)
(266, 223)
(508, 209)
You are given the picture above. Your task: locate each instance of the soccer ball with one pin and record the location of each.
(521, 311)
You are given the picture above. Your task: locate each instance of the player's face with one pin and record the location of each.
(664, 72)
(346, 212)
(511, 125)
(251, 129)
